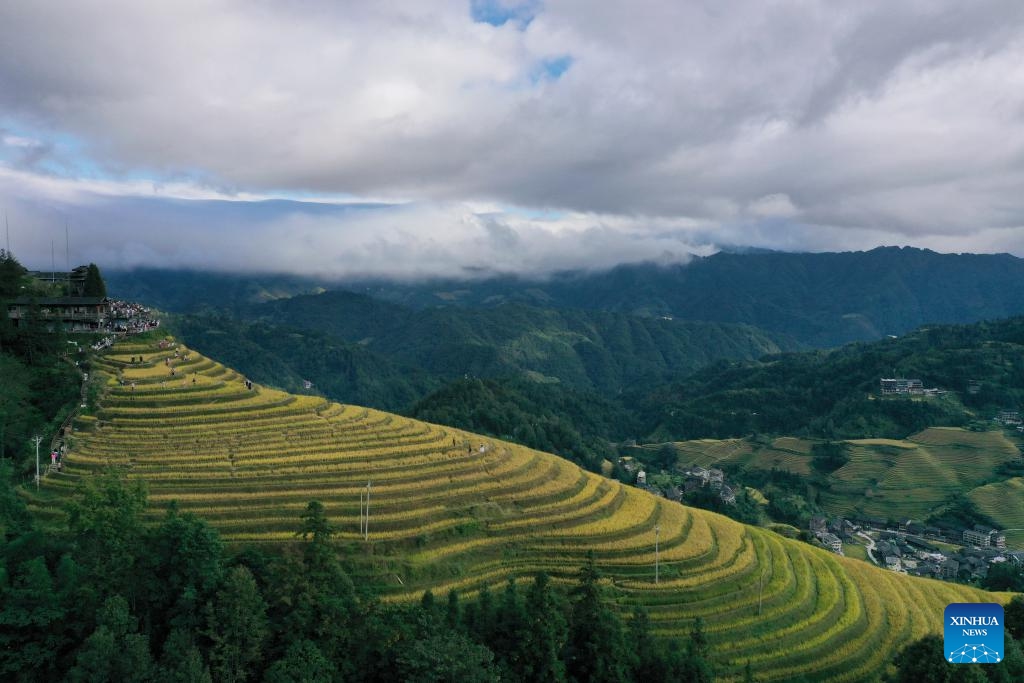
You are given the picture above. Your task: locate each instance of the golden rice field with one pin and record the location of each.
(450, 509)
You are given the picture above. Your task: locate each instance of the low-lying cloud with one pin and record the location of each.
(623, 130)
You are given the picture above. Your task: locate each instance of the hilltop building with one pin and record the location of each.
(74, 280)
(891, 386)
(73, 314)
(1008, 417)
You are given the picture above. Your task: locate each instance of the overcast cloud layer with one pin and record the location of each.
(437, 138)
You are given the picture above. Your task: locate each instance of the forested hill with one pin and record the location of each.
(822, 300)
(834, 394)
(598, 350)
(359, 350)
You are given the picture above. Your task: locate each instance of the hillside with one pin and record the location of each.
(911, 478)
(452, 509)
(824, 299)
(834, 394)
(583, 349)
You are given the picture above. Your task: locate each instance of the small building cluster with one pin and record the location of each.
(81, 314)
(675, 485)
(832, 533)
(984, 537)
(895, 385)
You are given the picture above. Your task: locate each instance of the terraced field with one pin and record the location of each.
(454, 510)
(917, 476)
(908, 478)
(1004, 503)
(784, 453)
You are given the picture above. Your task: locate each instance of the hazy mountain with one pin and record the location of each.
(821, 300)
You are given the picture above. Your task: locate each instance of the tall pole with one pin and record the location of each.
(657, 533)
(67, 252)
(366, 536)
(360, 512)
(760, 592)
(38, 440)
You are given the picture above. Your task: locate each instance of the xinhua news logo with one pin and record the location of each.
(974, 633)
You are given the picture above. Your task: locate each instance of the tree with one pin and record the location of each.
(94, 285)
(302, 663)
(181, 661)
(595, 650)
(1005, 576)
(11, 275)
(446, 657)
(31, 620)
(545, 635)
(105, 520)
(509, 640)
(1014, 615)
(237, 627)
(115, 651)
(453, 614)
(180, 571)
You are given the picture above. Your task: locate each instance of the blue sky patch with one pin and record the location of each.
(499, 12)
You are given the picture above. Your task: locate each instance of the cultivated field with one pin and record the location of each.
(455, 510)
(1004, 503)
(918, 476)
(884, 478)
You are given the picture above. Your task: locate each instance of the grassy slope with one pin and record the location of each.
(884, 477)
(448, 515)
(1004, 502)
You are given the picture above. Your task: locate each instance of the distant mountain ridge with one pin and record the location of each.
(821, 300)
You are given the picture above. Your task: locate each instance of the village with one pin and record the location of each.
(907, 546)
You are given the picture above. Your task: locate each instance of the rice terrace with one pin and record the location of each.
(450, 509)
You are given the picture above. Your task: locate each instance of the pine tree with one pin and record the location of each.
(237, 627)
(545, 634)
(595, 650)
(94, 285)
(115, 651)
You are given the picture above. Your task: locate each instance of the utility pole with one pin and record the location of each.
(657, 533)
(760, 592)
(38, 440)
(366, 536)
(360, 512)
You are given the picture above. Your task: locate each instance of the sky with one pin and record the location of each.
(416, 139)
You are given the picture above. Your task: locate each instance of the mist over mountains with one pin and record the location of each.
(818, 300)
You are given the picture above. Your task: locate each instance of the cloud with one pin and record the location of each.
(789, 125)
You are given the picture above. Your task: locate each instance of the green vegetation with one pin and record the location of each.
(447, 515)
(115, 599)
(94, 284)
(1003, 503)
(820, 300)
(835, 394)
(923, 477)
(924, 660)
(38, 385)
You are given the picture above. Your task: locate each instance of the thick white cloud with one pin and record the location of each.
(791, 124)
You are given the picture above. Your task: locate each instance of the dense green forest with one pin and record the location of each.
(822, 300)
(607, 352)
(39, 387)
(112, 599)
(835, 394)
